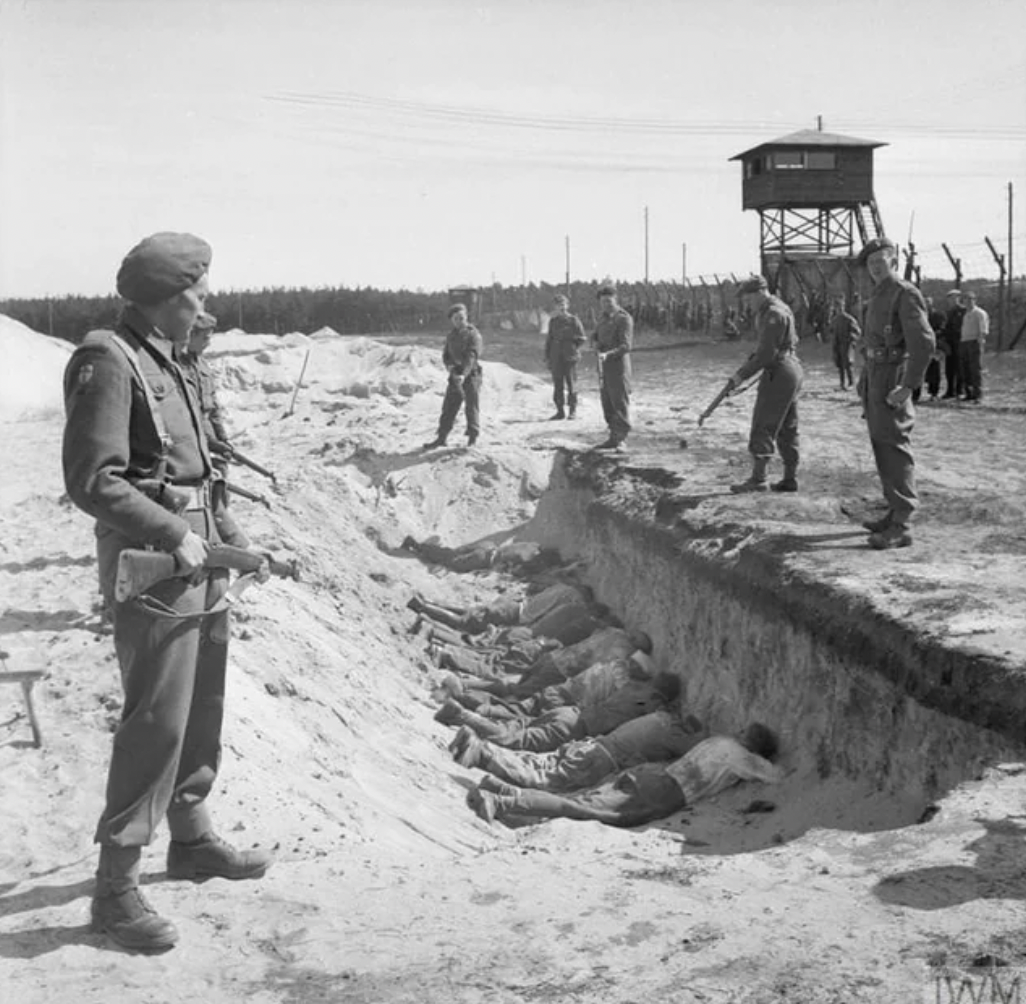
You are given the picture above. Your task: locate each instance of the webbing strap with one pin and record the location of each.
(158, 418)
(160, 610)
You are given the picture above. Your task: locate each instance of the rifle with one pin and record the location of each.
(228, 452)
(140, 570)
(245, 493)
(727, 391)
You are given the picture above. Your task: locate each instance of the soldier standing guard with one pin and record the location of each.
(461, 357)
(562, 354)
(897, 343)
(614, 337)
(133, 423)
(775, 415)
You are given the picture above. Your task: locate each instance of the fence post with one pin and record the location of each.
(1002, 327)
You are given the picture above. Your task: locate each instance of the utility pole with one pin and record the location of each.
(684, 264)
(568, 266)
(646, 245)
(239, 302)
(49, 312)
(1000, 259)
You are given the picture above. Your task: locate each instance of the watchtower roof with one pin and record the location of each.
(811, 137)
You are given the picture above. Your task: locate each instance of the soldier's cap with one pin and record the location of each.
(953, 292)
(457, 308)
(755, 284)
(606, 289)
(161, 266)
(871, 247)
(205, 322)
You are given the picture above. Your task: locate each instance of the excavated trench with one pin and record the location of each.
(876, 722)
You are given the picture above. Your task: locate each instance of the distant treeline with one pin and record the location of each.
(698, 305)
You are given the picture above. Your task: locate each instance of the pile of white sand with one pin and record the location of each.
(31, 379)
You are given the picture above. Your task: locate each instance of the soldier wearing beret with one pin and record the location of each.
(775, 415)
(562, 354)
(461, 357)
(133, 422)
(897, 343)
(614, 337)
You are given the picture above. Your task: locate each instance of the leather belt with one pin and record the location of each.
(196, 496)
(887, 355)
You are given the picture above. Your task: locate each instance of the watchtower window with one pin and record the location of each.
(800, 160)
(822, 160)
(753, 167)
(789, 160)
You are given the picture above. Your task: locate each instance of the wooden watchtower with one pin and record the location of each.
(813, 191)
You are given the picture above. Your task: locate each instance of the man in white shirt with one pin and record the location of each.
(975, 327)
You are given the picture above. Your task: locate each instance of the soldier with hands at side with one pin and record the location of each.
(461, 357)
(134, 420)
(614, 338)
(562, 354)
(897, 343)
(775, 415)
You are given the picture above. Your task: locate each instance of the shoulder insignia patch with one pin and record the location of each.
(84, 375)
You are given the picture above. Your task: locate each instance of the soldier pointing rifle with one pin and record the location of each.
(775, 415)
(134, 440)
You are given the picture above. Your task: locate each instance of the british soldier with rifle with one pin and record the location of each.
(775, 414)
(136, 459)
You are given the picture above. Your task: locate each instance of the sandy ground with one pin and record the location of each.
(387, 888)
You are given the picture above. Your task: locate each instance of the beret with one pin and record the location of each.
(606, 289)
(162, 265)
(876, 244)
(560, 298)
(756, 284)
(457, 308)
(953, 292)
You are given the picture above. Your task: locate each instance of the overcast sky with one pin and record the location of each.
(431, 143)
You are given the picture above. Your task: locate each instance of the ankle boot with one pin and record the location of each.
(120, 910)
(212, 857)
(789, 482)
(757, 479)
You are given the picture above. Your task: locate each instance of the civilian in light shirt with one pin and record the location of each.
(975, 327)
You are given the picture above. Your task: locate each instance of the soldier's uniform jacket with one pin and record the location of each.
(844, 330)
(462, 350)
(112, 440)
(615, 333)
(897, 329)
(777, 339)
(204, 383)
(565, 338)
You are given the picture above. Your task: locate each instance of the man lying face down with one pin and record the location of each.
(657, 737)
(640, 794)
(564, 612)
(594, 703)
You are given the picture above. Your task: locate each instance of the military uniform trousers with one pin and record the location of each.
(578, 764)
(564, 385)
(616, 397)
(775, 415)
(460, 392)
(890, 431)
(971, 366)
(167, 747)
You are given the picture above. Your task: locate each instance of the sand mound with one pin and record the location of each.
(30, 382)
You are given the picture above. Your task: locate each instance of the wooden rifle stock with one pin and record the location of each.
(245, 493)
(715, 403)
(140, 570)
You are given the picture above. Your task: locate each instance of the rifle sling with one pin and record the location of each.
(160, 610)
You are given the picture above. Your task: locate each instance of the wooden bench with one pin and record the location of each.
(27, 678)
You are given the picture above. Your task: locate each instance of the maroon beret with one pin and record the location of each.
(755, 284)
(876, 244)
(162, 265)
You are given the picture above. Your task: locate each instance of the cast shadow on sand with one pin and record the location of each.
(41, 563)
(999, 873)
(33, 942)
(17, 621)
(793, 543)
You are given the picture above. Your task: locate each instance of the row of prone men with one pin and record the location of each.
(564, 709)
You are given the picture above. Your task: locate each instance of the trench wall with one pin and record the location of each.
(850, 693)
